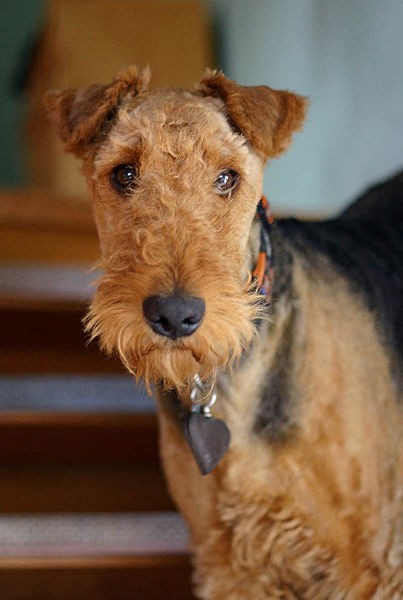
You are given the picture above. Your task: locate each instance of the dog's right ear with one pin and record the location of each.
(81, 115)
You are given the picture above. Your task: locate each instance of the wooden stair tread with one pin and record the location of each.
(92, 536)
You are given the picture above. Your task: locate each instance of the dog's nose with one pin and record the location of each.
(174, 316)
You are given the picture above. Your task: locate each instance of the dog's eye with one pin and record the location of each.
(226, 181)
(123, 177)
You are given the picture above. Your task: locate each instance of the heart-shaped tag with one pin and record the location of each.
(208, 439)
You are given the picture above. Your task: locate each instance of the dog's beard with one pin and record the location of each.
(116, 319)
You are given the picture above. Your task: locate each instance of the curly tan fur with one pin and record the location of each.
(316, 513)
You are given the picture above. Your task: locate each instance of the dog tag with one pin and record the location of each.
(207, 437)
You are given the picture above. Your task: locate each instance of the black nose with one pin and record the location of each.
(174, 316)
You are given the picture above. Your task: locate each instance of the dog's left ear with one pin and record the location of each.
(266, 117)
(81, 115)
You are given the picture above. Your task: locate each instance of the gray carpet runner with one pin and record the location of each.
(95, 535)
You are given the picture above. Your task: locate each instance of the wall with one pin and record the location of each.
(347, 57)
(19, 26)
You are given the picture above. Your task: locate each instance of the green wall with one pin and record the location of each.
(19, 26)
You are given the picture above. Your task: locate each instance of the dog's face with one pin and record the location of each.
(175, 178)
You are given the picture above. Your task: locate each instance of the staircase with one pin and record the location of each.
(84, 509)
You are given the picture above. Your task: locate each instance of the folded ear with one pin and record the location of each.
(82, 115)
(266, 117)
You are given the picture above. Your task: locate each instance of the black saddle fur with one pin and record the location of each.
(365, 244)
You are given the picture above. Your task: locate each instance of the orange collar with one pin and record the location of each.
(264, 270)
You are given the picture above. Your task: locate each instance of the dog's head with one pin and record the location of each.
(175, 177)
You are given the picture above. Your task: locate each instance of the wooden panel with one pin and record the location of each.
(34, 209)
(45, 228)
(48, 246)
(171, 36)
(20, 360)
(151, 578)
(49, 341)
(87, 488)
(50, 438)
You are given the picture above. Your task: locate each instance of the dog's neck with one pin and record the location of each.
(268, 394)
(270, 413)
(274, 326)
(276, 292)
(272, 271)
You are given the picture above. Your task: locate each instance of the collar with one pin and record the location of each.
(264, 270)
(207, 436)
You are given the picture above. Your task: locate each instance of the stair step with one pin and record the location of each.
(87, 557)
(78, 443)
(62, 536)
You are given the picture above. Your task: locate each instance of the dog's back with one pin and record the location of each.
(365, 245)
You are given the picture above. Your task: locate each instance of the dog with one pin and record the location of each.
(273, 347)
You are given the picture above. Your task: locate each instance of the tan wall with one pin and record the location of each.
(88, 41)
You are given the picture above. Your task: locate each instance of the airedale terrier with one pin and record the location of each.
(289, 329)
